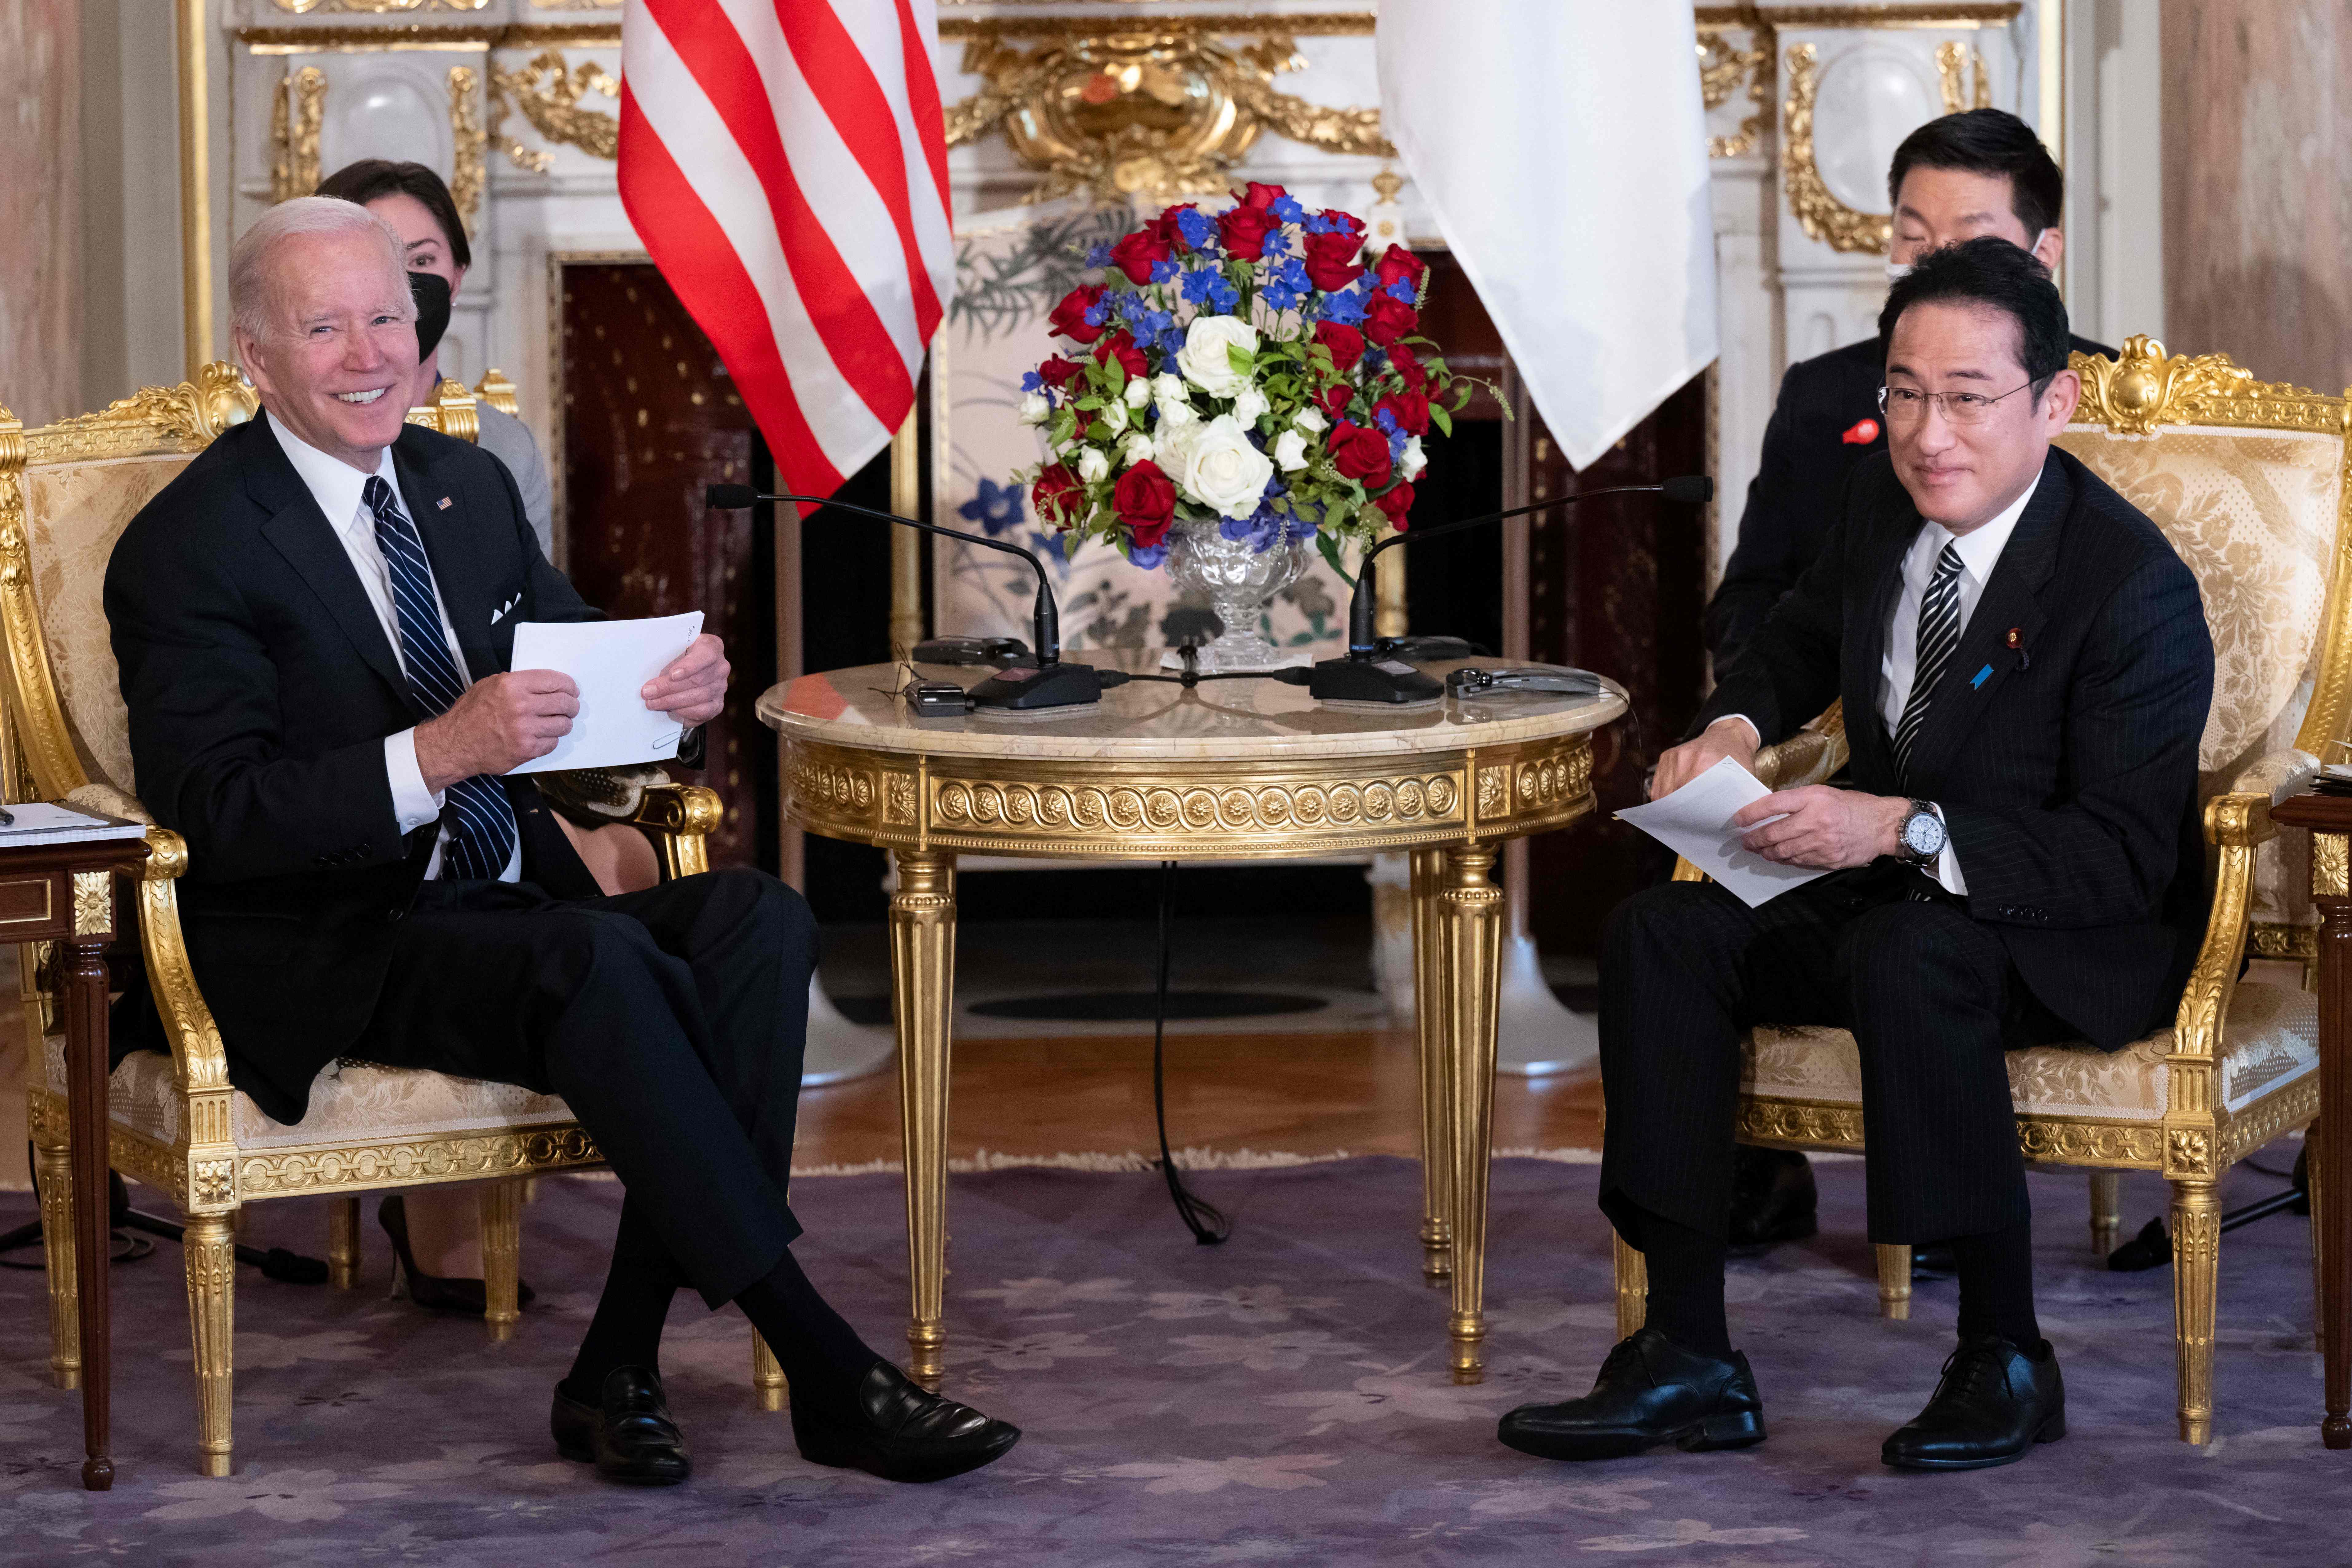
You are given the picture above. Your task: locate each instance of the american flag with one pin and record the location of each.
(785, 163)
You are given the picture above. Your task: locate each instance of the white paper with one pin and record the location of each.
(610, 661)
(1694, 822)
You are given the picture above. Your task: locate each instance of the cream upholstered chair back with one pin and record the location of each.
(2248, 481)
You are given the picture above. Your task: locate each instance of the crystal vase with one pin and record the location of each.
(1239, 580)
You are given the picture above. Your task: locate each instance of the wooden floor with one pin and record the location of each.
(1288, 1093)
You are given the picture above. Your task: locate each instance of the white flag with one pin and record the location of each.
(1562, 146)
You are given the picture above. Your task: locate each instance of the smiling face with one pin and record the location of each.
(339, 352)
(1959, 474)
(1936, 207)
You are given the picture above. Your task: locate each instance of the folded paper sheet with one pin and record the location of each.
(610, 661)
(1694, 822)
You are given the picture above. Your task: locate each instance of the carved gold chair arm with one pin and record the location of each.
(2235, 824)
(679, 818)
(1813, 756)
(2276, 777)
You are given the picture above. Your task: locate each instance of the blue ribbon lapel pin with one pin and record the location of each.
(1981, 676)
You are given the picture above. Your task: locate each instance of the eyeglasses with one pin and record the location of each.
(1908, 404)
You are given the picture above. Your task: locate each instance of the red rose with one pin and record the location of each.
(1145, 500)
(1138, 253)
(1170, 231)
(1346, 343)
(1335, 399)
(1387, 319)
(1331, 260)
(1398, 263)
(1069, 317)
(1262, 197)
(1348, 221)
(1408, 365)
(1059, 498)
(1055, 372)
(1396, 503)
(1121, 344)
(1359, 454)
(1412, 411)
(1243, 229)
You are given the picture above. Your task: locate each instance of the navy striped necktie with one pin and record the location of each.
(479, 819)
(1940, 635)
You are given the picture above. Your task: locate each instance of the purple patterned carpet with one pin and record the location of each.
(1279, 1400)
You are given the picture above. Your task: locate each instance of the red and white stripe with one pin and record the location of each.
(785, 163)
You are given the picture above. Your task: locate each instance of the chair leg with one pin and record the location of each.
(767, 1374)
(1894, 1282)
(57, 1248)
(2312, 1144)
(501, 1257)
(342, 1242)
(2106, 1211)
(2196, 1272)
(1632, 1288)
(210, 1245)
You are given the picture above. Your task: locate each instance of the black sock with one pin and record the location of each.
(627, 1328)
(1685, 1284)
(821, 1355)
(1996, 1271)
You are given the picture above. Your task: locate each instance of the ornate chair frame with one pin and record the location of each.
(2198, 1138)
(203, 1168)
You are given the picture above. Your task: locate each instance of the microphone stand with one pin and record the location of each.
(1366, 675)
(1042, 680)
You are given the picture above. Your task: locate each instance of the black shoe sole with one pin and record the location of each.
(917, 1469)
(2052, 1431)
(579, 1449)
(1712, 1434)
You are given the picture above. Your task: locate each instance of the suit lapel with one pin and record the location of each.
(300, 532)
(2011, 601)
(1865, 648)
(436, 502)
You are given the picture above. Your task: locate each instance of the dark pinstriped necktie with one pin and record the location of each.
(1939, 634)
(476, 812)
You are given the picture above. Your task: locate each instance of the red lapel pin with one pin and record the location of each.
(1861, 434)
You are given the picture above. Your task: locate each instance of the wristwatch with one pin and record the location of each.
(1921, 838)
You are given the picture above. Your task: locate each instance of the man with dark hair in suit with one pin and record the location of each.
(1982, 171)
(314, 624)
(2026, 670)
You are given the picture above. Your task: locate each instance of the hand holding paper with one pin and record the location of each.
(1694, 822)
(615, 664)
(693, 689)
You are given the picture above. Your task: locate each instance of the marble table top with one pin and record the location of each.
(1148, 720)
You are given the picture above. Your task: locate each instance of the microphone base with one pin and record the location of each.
(1380, 681)
(1025, 688)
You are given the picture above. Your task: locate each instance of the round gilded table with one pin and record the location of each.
(1226, 770)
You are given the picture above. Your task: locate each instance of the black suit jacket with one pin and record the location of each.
(2068, 774)
(1802, 472)
(261, 687)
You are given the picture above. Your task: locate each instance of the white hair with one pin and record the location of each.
(254, 295)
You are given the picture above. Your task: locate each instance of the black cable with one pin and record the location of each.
(1207, 1222)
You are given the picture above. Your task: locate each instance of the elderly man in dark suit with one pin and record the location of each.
(2025, 671)
(314, 624)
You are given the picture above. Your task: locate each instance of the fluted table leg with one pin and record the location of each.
(1436, 1082)
(2330, 1167)
(922, 993)
(55, 1166)
(767, 1374)
(1469, 929)
(86, 1069)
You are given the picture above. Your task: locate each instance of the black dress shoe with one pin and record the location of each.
(1772, 1199)
(627, 1434)
(1650, 1391)
(1995, 1403)
(900, 1432)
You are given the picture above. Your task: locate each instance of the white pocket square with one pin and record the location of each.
(502, 609)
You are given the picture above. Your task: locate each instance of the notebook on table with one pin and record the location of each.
(38, 822)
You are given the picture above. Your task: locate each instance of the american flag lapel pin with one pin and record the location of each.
(444, 506)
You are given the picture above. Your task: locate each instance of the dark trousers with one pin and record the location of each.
(1929, 995)
(671, 1021)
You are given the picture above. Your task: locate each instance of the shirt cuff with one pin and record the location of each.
(1948, 863)
(1743, 718)
(413, 806)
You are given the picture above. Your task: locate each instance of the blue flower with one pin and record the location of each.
(1402, 291)
(1347, 306)
(1098, 256)
(1148, 556)
(996, 508)
(1386, 421)
(1315, 223)
(1171, 342)
(1164, 271)
(1030, 382)
(1195, 225)
(1098, 311)
(1276, 246)
(1287, 210)
(1055, 544)
(1375, 362)
(1223, 297)
(1197, 283)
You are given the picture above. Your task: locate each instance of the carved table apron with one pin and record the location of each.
(1230, 770)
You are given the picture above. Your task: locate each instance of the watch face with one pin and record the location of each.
(1922, 834)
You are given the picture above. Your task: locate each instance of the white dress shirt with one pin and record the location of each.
(1980, 549)
(341, 491)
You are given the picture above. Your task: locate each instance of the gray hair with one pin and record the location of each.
(253, 296)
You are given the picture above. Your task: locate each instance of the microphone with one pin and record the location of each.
(1364, 677)
(1043, 681)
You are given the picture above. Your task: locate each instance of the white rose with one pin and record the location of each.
(1250, 406)
(1177, 411)
(1169, 387)
(1138, 391)
(1290, 451)
(1203, 359)
(1093, 465)
(1170, 447)
(1410, 462)
(1137, 448)
(1310, 418)
(1222, 470)
(1035, 409)
(1114, 415)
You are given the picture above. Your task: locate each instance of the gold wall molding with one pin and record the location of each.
(296, 110)
(414, 35)
(1327, 25)
(1996, 15)
(1721, 68)
(1950, 55)
(548, 91)
(375, 8)
(466, 176)
(1823, 217)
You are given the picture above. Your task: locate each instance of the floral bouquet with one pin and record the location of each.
(1248, 368)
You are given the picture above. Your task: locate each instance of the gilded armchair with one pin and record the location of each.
(67, 493)
(2248, 479)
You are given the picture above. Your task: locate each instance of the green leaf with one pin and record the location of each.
(1441, 419)
(1243, 362)
(1090, 403)
(1328, 543)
